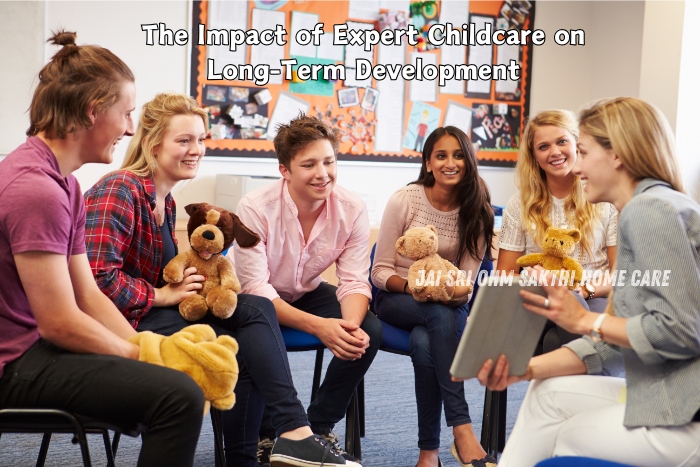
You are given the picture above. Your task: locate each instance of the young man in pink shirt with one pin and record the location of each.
(306, 223)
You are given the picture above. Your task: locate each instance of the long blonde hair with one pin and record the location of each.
(531, 180)
(639, 134)
(153, 123)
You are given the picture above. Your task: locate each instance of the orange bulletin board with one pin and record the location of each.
(497, 116)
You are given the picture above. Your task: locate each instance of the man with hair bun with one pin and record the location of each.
(307, 223)
(63, 344)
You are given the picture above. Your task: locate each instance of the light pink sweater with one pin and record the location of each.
(407, 208)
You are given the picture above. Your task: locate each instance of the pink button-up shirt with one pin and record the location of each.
(283, 264)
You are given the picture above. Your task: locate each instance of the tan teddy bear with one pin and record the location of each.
(558, 245)
(196, 351)
(430, 275)
(211, 230)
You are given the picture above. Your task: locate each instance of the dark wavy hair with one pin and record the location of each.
(475, 211)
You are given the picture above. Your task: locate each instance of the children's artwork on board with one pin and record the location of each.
(423, 120)
(348, 97)
(496, 127)
(369, 100)
(233, 109)
(424, 14)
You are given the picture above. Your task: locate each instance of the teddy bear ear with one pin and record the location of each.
(245, 237)
(432, 227)
(399, 244)
(575, 234)
(192, 208)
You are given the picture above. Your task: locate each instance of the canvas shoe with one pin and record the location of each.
(313, 451)
(332, 439)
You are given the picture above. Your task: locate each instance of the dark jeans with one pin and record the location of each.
(435, 331)
(123, 391)
(342, 376)
(265, 379)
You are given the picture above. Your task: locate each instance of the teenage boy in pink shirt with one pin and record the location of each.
(306, 223)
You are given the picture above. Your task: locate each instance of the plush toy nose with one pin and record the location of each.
(208, 234)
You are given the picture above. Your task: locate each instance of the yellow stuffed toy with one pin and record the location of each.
(558, 245)
(195, 350)
(430, 275)
(211, 230)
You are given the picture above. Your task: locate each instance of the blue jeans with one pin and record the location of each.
(264, 381)
(435, 331)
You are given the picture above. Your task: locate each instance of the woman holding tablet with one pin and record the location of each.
(650, 329)
(450, 195)
(550, 194)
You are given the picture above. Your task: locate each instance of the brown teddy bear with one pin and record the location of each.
(211, 230)
(558, 245)
(196, 351)
(430, 277)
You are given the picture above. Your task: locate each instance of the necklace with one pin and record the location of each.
(159, 213)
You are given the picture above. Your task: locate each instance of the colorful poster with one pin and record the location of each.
(422, 121)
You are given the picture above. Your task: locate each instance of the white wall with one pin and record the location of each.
(563, 77)
(687, 120)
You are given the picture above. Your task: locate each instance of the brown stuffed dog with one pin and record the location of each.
(211, 230)
(432, 272)
(195, 350)
(558, 245)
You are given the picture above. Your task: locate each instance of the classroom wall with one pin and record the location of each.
(564, 77)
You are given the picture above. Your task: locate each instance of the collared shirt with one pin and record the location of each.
(124, 241)
(659, 230)
(283, 264)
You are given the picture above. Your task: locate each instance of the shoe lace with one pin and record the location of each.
(264, 447)
(332, 440)
(332, 443)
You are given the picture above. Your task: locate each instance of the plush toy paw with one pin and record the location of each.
(222, 302)
(193, 308)
(198, 352)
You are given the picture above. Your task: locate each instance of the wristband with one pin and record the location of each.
(596, 331)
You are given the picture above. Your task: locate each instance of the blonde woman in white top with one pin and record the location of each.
(551, 195)
(450, 195)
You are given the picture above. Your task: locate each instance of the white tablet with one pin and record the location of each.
(499, 324)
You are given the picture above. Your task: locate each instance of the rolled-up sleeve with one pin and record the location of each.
(251, 264)
(668, 325)
(600, 358)
(352, 266)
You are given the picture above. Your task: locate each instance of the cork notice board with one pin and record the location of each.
(392, 93)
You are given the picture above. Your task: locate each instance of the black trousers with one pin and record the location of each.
(169, 403)
(342, 376)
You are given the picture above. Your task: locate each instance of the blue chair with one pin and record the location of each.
(300, 341)
(493, 428)
(575, 461)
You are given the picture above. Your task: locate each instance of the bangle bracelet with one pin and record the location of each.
(528, 373)
(404, 287)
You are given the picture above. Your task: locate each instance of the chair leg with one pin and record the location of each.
(84, 449)
(115, 443)
(108, 448)
(318, 368)
(502, 411)
(217, 425)
(43, 450)
(361, 406)
(493, 428)
(353, 443)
